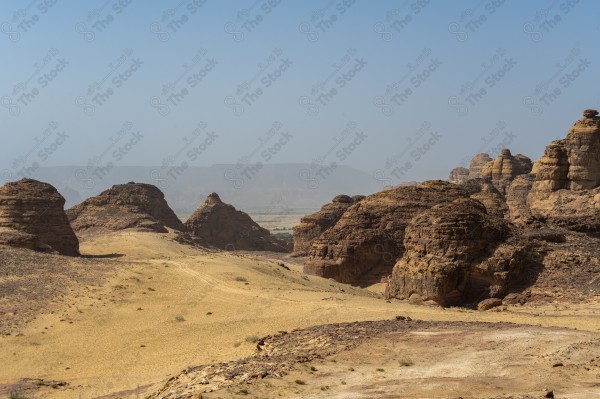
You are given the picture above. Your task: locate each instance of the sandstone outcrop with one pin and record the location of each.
(459, 175)
(483, 190)
(218, 224)
(477, 164)
(566, 190)
(516, 199)
(505, 168)
(135, 206)
(456, 253)
(312, 226)
(368, 239)
(32, 216)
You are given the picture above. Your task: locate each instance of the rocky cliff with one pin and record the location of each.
(218, 224)
(125, 206)
(32, 216)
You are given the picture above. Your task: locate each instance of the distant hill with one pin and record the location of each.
(270, 187)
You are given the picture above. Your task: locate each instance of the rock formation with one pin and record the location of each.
(505, 168)
(483, 190)
(32, 216)
(459, 175)
(477, 164)
(455, 253)
(516, 199)
(566, 190)
(368, 239)
(312, 226)
(218, 224)
(125, 206)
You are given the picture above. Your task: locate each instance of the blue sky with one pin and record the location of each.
(405, 90)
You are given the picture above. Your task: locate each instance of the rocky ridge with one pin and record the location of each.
(218, 224)
(312, 226)
(32, 216)
(136, 206)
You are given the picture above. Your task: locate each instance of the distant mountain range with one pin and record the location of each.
(268, 187)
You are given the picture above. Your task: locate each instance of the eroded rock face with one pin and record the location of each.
(456, 253)
(485, 192)
(505, 168)
(218, 224)
(459, 175)
(477, 164)
(32, 216)
(566, 190)
(516, 199)
(368, 239)
(125, 206)
(312, 226)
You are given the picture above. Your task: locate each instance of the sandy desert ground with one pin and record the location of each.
(140, 308)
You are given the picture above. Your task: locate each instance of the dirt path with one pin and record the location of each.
(163, 307)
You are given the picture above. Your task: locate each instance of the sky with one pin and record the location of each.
(403, 90)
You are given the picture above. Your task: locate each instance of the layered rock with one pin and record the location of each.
(455, 254)
(312, 226)
(32, 216)
(505, 168)
(566, 190)
(459, 175)
(516, 199)
(477, 164)
(485, 192)
(368, 239)
(218, 224)
(135, 206)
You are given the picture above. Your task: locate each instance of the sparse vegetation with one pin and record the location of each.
(313, 368)
(179, 318)
(380, 370)
(406, 362)
(241, 279)
(300, 382)
(244, 392)
(252, 339)
(17, 395)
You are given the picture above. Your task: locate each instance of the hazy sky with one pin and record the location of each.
(405, 90)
